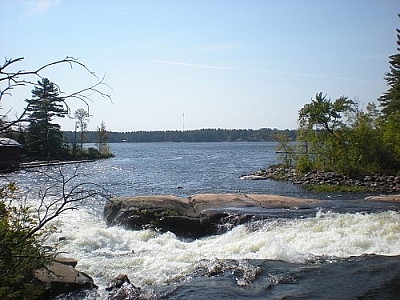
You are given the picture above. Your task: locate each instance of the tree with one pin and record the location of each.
(390, 104)
(390, 100)
(11, 80)
(82, 117)
(324, 114)
(287, 151)
(45, 137)
(322, 134)
(24, 230)
(102, 140)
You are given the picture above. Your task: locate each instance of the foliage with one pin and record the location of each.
(81, 117)
(34, 128)
(323, 114)
(360, 143)
(287, 151)
(322, 134)
(201, 135)
(20, 250)
(336, 188)
(11, 80)
(339, 136)
(102, 141)
(25, 230)
(45, 137)
(390, 100)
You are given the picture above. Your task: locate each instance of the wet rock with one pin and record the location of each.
(117, 282)
(120, 288)
(61, 277)
(195, 216)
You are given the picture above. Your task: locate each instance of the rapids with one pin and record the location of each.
(345, 248)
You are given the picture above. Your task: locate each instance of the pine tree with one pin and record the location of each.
(44, 137)
(390, 101)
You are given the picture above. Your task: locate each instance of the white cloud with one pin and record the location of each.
(258, 70)
(38, 7)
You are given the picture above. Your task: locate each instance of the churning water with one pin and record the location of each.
(343, 249)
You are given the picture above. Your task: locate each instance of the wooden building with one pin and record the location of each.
(10, 154)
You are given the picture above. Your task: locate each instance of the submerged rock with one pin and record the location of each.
(195, 216)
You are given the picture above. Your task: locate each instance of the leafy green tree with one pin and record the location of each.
(287, 152)
(391, 137)
(322, 132)
(390, 100)
(323, 114)
(367, 150)
(45, 137)
(102, 140)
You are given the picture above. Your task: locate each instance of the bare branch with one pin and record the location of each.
(20, 78)
(60, 194)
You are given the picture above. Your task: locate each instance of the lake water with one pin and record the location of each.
(342, 249)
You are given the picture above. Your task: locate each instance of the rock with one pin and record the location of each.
(66, 261)
(195, 216)
(253, 177)
(389, 198)
(117, 282)
(120, 288)
(370, 183)
(61, 277)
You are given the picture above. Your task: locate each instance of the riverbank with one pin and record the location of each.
(317, 180)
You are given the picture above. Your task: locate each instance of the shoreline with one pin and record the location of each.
(376, 183)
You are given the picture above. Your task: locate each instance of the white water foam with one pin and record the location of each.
(148, 257)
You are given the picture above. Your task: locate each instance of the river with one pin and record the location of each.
(342, 249)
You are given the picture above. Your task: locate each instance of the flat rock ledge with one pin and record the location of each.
(196, 216)
(61, 277)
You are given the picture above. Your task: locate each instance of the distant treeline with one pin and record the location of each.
(201, 135)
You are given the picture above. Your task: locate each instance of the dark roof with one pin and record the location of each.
(6, 142)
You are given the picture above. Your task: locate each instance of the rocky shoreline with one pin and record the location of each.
(370, 183)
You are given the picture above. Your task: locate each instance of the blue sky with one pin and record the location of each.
(223, 64)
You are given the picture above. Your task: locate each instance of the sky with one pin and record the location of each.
(186, 65)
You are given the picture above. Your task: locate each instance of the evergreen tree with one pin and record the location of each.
(390, 101)
(45, 138)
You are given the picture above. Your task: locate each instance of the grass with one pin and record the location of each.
(336, 188)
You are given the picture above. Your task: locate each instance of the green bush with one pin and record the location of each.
(20, 251)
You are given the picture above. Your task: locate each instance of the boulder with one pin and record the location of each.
(195, 216)
(61, 277)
